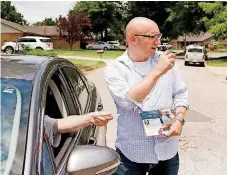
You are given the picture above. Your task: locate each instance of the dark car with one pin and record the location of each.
(32, 87)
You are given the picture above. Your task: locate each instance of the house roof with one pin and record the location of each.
(14, 25)
(44, 30)
(201, 37)
(38, 30)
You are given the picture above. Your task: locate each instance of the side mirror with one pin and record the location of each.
(91, 160)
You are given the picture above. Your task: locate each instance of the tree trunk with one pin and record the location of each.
(71, 46)
(101, 35)
(185, 43)
(106, 34)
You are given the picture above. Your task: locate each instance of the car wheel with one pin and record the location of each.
(202, 64)
(186, 63)
(39, 48)
(115, 47)
(9, 50)
(105, 48)
(90, 48)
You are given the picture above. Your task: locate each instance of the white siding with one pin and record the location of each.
(8, 29)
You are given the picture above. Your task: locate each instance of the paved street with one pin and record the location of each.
(203, 142)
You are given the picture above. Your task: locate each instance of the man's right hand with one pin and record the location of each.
(165, 62)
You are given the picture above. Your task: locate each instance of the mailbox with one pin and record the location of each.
(100, 52)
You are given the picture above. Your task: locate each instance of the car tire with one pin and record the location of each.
(105, 48)
(202, 64)
(39, 48)
(9, 50)
(186, 63)
(90, 48)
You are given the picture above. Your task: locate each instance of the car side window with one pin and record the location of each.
(31, 40)
(78, 83)
(58, 106)
(47, 167)
(21, 40)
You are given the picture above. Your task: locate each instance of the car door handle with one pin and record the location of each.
(100, 107)
(92, 140)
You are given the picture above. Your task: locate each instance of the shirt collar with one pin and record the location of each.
(125, 58)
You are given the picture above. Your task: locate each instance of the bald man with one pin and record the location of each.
(143, 82)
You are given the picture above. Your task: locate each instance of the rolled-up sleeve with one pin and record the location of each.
(49, 125)
(180, 90)
(119, 88)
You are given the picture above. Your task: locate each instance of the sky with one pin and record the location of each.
(34, 11)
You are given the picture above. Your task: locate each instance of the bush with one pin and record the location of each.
(39, 52)
(222, 50)
(215, 46)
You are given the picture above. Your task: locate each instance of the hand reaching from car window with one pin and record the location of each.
(100, 118)
(74, 123)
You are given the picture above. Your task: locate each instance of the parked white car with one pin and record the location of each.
(115, 44)
(164, 46)
(195, 54)
(99, 45)
(33, 42)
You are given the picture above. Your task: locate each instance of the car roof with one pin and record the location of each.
(20, 66)
(195, 46)
(39, 37)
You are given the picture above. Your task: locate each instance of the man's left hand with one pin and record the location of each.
(175, 128)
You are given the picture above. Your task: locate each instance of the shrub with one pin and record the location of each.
(39, 52)
(222, 50)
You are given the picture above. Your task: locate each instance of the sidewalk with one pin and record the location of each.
(218, 71)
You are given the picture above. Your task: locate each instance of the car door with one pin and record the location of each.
(57, 92)
(95, 45)
(31, 43)
(98, 45)
(28, 42)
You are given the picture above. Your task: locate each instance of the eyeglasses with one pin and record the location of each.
(159, 35)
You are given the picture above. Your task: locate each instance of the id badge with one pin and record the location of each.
(153, 120)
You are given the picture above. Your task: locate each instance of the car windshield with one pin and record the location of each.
(195, 50)
(15, 103)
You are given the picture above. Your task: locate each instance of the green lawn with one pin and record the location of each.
(112, 54)
(217, 63)
(89, 53)
(87, 64)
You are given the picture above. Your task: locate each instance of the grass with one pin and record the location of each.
(89, 53)
(112, 54)
(217, 63)
(87, 64)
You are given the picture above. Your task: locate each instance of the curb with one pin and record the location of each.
(218, 71)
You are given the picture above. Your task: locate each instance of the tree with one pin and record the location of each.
(154, 10)
(216, 18)
(185, 17)
(101, 13)
(9, 12)
(47, 22)
(74, 28)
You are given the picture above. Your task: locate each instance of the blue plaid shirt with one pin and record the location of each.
(169, 92)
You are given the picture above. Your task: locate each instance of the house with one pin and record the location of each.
(11, 31)
(203, 40)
